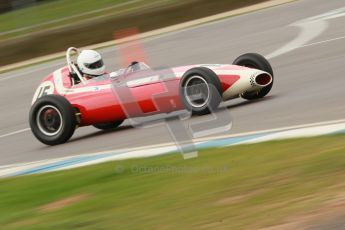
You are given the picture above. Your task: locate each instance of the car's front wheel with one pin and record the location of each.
(200, 90)
(52, 120)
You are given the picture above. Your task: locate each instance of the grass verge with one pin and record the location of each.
(143, 15)
(60, 13)
(242, 187)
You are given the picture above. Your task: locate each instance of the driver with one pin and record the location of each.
(90, 64)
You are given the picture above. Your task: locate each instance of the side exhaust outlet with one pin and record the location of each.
(251, 80)
(263, 80)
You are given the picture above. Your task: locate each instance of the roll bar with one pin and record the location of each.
(71, 65)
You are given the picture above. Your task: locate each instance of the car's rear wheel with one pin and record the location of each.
(108, 125)
(52, 120)
(200, 90)
(256, 61)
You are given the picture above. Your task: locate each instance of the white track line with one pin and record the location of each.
(274, 129)
(310, 28)
(15, 132)
(223, 136)
(120, 154)
(325, 41)
(308, 31)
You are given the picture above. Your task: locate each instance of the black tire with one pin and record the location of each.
(52, 120)
(257, 61)
(108, 126)
(213, 88)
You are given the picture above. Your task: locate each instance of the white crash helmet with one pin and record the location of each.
(90, 62)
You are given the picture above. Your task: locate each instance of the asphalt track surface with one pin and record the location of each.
(309, 79)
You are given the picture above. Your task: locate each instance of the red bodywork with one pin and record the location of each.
(101, 100)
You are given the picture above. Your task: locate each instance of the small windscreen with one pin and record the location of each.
(95, 65)
(138, 66)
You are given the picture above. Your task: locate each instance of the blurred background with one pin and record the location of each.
(271, 185)
(32, 28)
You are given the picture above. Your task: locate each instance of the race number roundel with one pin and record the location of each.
(45, 88)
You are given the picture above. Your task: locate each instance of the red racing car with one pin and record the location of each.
(66, 100)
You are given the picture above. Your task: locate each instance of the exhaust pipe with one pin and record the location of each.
(262, 79)
(251, 80)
